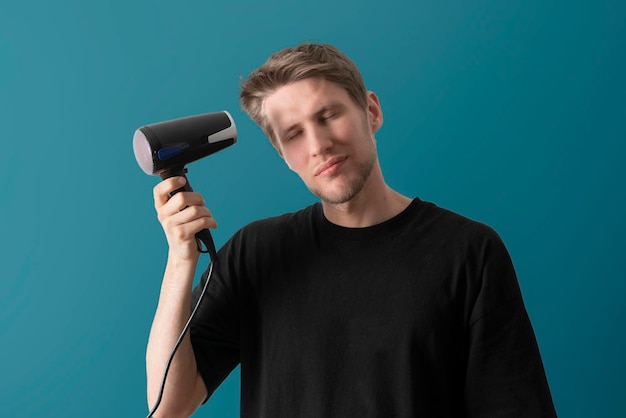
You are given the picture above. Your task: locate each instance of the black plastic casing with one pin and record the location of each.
(170, 145)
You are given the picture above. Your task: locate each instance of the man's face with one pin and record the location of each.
(324, 136)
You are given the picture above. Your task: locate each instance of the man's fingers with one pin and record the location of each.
(186, 230)
(190, 214)
(162, 190)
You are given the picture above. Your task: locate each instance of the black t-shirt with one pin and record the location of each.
(419, 316)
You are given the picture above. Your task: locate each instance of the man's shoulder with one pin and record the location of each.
(286, 221)
(451, 223)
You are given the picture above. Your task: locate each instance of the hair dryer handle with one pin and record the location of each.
(177, 172)
(205, 234)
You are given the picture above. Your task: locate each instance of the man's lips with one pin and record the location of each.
(329, 166)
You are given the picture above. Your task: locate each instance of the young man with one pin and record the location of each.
(366, 304)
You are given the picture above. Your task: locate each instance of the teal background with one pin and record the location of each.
(509, 112)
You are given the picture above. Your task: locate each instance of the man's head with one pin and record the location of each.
(312, 104)
(307, 60)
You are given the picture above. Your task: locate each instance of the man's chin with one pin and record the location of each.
(339, 196)
(343, 188)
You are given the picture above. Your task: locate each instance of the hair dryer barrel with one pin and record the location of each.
(170, 145)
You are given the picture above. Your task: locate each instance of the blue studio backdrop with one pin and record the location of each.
(512, 113)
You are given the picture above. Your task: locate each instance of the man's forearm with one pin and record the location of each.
(184, 390)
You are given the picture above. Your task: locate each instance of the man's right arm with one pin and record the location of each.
(181, 217)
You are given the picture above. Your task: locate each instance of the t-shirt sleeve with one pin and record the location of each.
(214, 330)
(505, 374)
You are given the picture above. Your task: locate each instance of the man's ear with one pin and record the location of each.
(374, 111)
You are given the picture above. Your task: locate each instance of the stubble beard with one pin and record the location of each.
(354, 186)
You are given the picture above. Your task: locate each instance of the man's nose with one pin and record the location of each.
(319, 140)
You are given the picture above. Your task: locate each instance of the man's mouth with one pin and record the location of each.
(329, 167)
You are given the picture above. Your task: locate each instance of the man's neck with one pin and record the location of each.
(375, 204)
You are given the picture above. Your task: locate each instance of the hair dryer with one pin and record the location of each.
(164, 148)
(168, 146)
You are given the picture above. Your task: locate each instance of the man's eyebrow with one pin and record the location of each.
(329, 107)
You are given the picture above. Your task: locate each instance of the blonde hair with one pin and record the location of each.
(292, 64)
